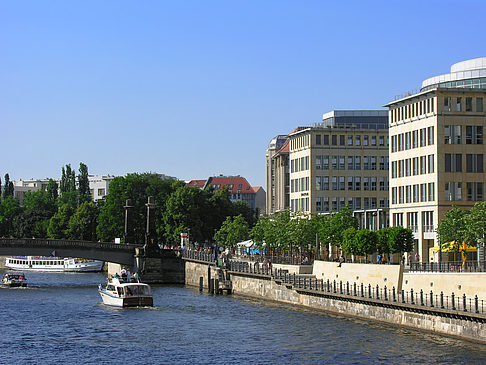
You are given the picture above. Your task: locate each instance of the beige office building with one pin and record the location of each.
(277, 165)
(342, 161)
(437, 151)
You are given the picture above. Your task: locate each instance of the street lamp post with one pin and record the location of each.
(150, 205)
(128, 205)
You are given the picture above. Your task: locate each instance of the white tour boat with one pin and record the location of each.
(12, 280)
(53, 264)
(120, 294)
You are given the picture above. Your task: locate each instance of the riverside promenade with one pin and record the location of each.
(441, 312)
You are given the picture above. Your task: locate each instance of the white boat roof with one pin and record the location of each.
(116, 281)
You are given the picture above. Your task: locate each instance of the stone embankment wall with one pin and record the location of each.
(465, 325)
(297, 269)
(195, 270)
(374, 274)
(470, 284)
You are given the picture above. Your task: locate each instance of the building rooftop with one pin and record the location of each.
(465, 74)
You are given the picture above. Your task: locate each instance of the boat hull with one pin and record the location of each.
(126, 302)
(14, 285)
(68, 265)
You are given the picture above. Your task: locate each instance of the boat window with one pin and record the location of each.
(120, 291)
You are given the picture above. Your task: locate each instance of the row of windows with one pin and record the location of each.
(413, 193)
(412, 220)
(453, 134)
(414, 139)
(353, 203)
(299, 164)
(461, 104)
(421, 107)
(453, 162)
(453, 191)
(300, 204)
(353, 183)
(299, 142)
(350, 140)
(298, 185)
(413, 166)
(353, 162)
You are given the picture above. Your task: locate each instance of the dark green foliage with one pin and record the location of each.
(359, 242)
(83, 184)
(137, 188)
(8, 188)
(232, 231)
(453, 226)
(82, 224)
(331, 227)
(400, 240)
(59, 223)
(9, 209)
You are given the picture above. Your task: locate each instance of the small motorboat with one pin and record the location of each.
(121, 294)
(12, 280)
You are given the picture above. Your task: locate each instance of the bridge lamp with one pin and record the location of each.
(128, 205)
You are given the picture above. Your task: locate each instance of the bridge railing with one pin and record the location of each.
(41, 242)
(419, 299)
(199, 255)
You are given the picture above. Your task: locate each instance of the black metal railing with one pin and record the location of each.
(415, 298)
(449, 266)
(279, 259)
(199, 255)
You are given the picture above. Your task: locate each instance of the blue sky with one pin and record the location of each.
(197, 88)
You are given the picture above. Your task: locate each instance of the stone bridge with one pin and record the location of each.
(109, 252)
(154, 265)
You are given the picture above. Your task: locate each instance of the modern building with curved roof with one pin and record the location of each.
(437, 152)
(469, 74)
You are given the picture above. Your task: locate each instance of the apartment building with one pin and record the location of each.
(437, 151)
(277, 174)
(341, 161)
(238, 188)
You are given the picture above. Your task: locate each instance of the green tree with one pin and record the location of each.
(349, 243)
(59, 223)
(366, 242)
(137, 188)
(475, 222)
(8, 188)
(232, 231)
(302, 232)
(332, 226)
(453, 226)
(400, 239)
(33, 218)
(52, 191)
(83, 184)
(9, 209)
(82, 224)
(382, 244)
(188, 208)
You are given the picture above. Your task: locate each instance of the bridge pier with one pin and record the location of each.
(160, 266)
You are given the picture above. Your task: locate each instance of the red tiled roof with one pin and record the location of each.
(197, 183)
(298, 129)
(233, 183)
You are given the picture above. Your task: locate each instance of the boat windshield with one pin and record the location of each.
(133, 290)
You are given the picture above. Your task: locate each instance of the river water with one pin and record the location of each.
(59, 318)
